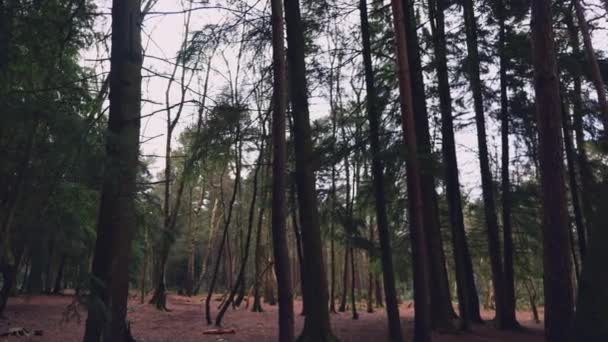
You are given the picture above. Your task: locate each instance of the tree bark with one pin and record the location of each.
(468, 301)
(596, 75)
(240, 279)
(442, 312)
(257, 303)
(556, 261)
(316, 325)
(374, 118)
(422, 321)
(573, 185)
(586, 175)
(353, 298)
(509, 320)
(345, 275)
(484, 163)
(59, 277)
(117, 221)
(227, 221)
(370, 273)
(298, 236)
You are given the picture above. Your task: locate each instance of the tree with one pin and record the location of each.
(416, 207)
(171, 210)
(556, 260)
(116, 226)
(442, 312)
(316, 326)
(484, 164)
(468, 301)
(281, 254)
(508, 319)
(373, 117)
(596, 75)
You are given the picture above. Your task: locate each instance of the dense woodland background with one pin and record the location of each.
(358, 209)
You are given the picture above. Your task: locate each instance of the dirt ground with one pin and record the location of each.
(185, 323)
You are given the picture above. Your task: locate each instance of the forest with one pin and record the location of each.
(311, 171)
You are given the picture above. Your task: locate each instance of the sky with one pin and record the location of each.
(162, 37)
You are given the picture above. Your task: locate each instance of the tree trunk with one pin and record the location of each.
(117, 221)
(573, 185)
(422, 321)
(316, 325)
(596, 75)
(484, 163)
(213, 227)
(586, 175)
(378, 288)
(332, 223)
(189, 286)
(345, 270)
(259, 255)
(353, 276)
(59, 276)
(296, 233)
(374, 119)
(509, 320)
(370, 273)
(532, 298)
(240, 279)
(34, 282)
(227, 221)
(442, 312)
(556, 261)
(9, 273)
(591, 323)
(468, 301)
(144, 268)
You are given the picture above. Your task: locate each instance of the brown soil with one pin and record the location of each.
(185, 323)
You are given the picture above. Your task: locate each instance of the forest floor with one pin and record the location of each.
(185, 323)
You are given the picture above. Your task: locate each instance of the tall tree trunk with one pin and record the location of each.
(468, 301)
(596, 75)
(374, 119)
(189, 286)
(508, 320)
(170, 213)
(353, 276)
(227, 220)
(591, 308)
(213, 227)
(316, 325)
(8, 275)
(296, 233)
(378, 288)
(532, 298)
(556, 261)
(422, 321)
(442, 312)
(59, 276)
(332, 223)
(573, 185)
(484, 163)
(240, 279)
(117, 221)
(586, 176)
(34, 282)
(370, 273)
(591, 320)
(144, 268)
(259, 255)
(345, 270)
(49, 263)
